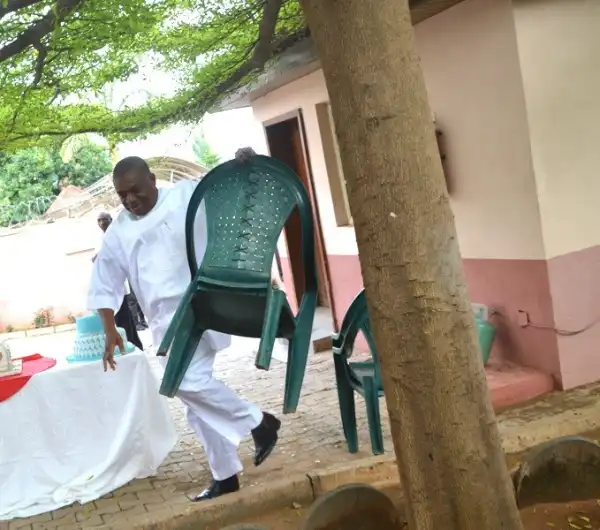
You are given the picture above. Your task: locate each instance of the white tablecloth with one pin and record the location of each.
(75, 433)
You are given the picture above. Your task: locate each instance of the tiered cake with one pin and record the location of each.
(90, 339)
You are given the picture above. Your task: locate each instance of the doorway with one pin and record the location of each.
(286, 141)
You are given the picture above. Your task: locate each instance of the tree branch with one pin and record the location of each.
(264, 49)
(36, 32)
(266, 30)
(42, 52)
(14, 5)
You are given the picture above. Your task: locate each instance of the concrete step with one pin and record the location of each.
(511, 384)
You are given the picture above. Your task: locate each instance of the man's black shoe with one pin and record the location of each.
(218, 488)
(265, 437)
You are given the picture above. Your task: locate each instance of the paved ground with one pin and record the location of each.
(310, 439)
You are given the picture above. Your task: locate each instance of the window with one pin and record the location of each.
(333, 164)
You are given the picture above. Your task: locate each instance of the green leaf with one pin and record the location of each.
(30, 178)
(105, 46)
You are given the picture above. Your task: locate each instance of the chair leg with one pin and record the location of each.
(373, 415)
(275, 301)
(181, 354)
(298, 352)
(347, 404)
(180, 318)
(299, 349)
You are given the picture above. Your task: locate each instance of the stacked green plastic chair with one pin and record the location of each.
(247, 205)
(362, 377)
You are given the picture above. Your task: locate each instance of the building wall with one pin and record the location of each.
(46, 266)
(471, 65)
(340, 242)
(559, 51)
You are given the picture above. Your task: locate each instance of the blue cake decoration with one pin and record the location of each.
(90, 339)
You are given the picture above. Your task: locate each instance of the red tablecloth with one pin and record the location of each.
(32, 364)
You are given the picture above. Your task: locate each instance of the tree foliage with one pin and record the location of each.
(30, 177)
(89, 163)
(57, 56)
(28, 174)
(205, 156)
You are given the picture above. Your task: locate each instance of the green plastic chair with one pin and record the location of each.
(365, 377)
(361, 377)
(247, 205)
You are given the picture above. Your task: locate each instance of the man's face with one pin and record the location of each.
(137, 191)
(104, 221)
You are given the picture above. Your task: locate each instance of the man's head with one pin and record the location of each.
(104, 220)
(136, 185)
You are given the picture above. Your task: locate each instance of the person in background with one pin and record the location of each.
(136, 311)
(146, 244)
(124, 316)
(104, 221)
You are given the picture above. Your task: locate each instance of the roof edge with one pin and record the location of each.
(302, 59)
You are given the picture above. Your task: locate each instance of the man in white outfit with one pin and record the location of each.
(146, 246)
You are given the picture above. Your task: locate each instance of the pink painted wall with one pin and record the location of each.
(558, 42)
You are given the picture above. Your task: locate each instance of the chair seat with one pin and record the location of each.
(361, 369)
(238, 313)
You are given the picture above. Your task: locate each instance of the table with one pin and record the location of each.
(75, 433)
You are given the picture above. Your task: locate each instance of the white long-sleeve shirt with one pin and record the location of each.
(150, 252)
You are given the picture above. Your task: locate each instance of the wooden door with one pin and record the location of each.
(286, 143)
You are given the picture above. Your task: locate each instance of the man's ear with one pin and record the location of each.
(153, 178)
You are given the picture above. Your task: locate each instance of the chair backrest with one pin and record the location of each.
(356, 320)
(247, 205)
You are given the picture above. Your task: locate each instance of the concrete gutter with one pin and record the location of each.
(559, 414)
(299, 491)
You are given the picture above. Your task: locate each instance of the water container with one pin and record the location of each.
(486, 333)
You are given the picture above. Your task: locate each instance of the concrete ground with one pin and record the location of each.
(310, 439)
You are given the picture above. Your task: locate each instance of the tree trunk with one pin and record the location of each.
(448, 447)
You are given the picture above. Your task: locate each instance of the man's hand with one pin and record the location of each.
(113, 340)
(244, 155)
(277, 283)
